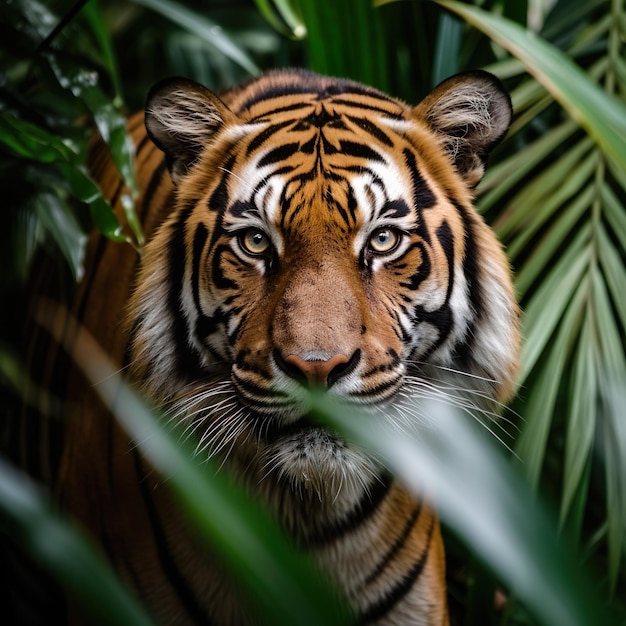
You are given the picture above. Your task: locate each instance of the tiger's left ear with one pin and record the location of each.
(472, 111)
(181, 118)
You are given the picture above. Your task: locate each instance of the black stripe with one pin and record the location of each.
(279, 154)
(178, 583)
(398, 544)
(361, 512)
(283, 109)
(422, 271)
(262, 395)
(395, 208)
(152, 186)
(392, 364)
(277, 92)
(115, 196)
(471, 270)
(368, 107)
(217, 275)
(360, 150)
(247, 366)
(265, 134)
(199, 241)
(372, 129)
(219, 198)
(376, 391)
(352, 204)
(423, 197)
(98, 158)
(203, 323)
(187, 358)
(403, 586)
(143, 142)
(332, 203)
(442, 318)
(349, 88)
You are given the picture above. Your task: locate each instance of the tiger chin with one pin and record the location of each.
(301, 231)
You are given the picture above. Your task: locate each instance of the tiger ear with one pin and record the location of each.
(181, 117)
(472, 111)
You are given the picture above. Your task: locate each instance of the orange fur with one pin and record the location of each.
(196, 315)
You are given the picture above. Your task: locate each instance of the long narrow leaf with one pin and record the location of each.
(552, 239)
(531, 445)
(204, 28)
(31, 141)
(581, 423)
(601, 115)
(282, 582)
(614, 439)
(503, 176)
(110, 123)
(288, 13)
(547, 305)
(62, 549)
(59, 221)
(85, 189)
(613, 209)
(615, 273)
(538, 203)
(478, 494)
(449, 36)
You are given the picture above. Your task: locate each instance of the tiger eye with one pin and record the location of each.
(384, 240)
(254, 241)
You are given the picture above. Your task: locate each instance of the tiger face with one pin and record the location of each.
(322, 236)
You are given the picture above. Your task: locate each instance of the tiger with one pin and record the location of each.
(301, 231)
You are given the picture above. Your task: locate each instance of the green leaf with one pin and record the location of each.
(284, 585)
(548, 303)
(581, 421)
(552, 239)
(612, 265)
(330, 24)
(97, 24)
(449, 36)
(503, 176)
(477, 494)
(86, 190)
(62, 549)
(58, 219)
(288, 15)
(31, 141)
(204, 28)
(600, 114)
(539, 201)
(531, 445)
(83, 84)
(613, 209)
(614, 440)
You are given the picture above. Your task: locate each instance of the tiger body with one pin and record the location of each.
(301, 230)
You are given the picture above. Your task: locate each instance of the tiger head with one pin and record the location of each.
(322, 234)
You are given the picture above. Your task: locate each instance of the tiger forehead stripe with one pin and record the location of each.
(340, 92)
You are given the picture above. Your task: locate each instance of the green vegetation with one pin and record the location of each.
(555, 192)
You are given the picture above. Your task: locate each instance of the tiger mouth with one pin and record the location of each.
(305, 426)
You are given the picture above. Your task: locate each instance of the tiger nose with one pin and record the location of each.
(318, 372)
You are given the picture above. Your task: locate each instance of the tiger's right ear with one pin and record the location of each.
(181, 118)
